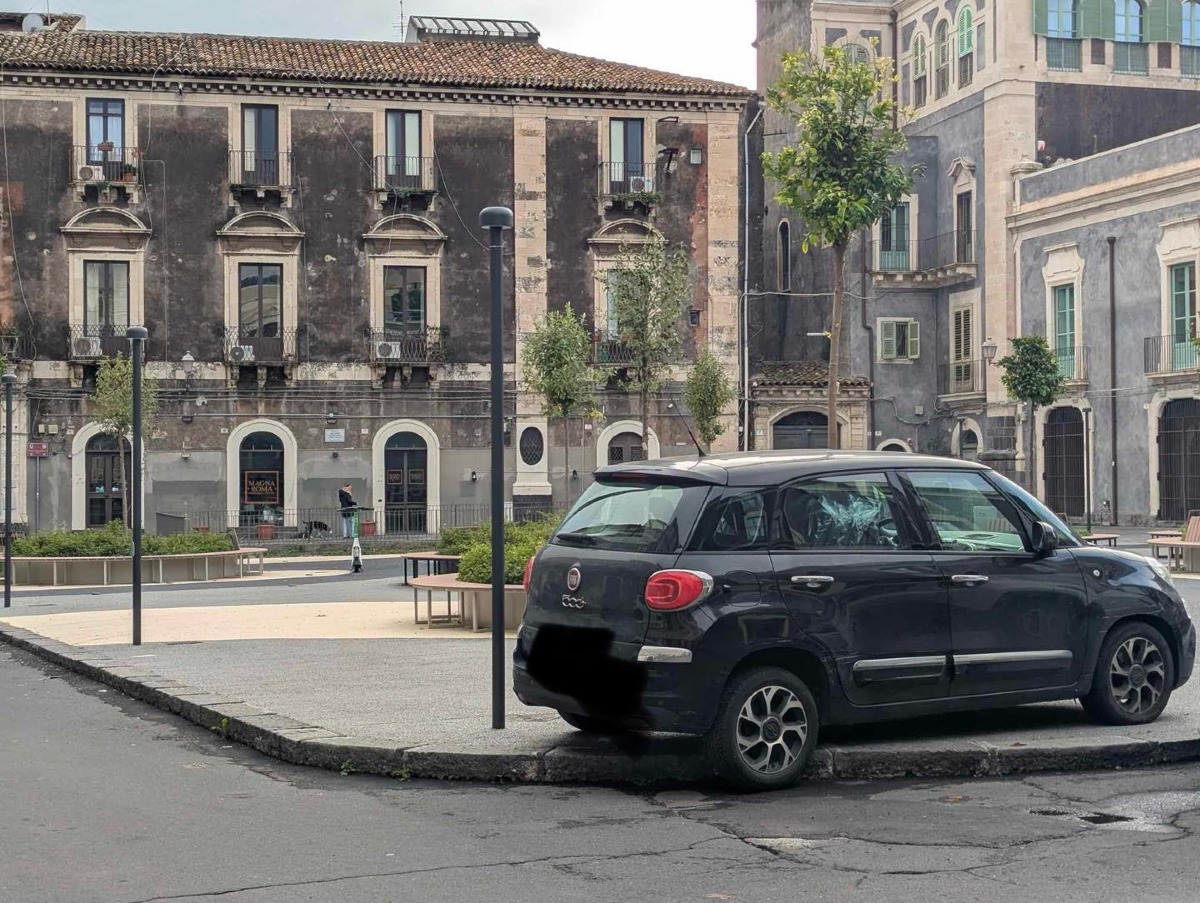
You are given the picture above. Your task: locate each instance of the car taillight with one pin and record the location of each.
(528, 571)
(673, 590)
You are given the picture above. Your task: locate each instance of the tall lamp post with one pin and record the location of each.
(496, 220)
(8, 380)
(988, 348)
(137, 336)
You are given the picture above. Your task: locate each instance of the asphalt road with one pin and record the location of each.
(103, 799)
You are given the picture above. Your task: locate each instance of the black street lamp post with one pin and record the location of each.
(496, 220)
(137, 336)
(8, 380)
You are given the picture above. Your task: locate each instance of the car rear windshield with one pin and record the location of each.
(632, 516)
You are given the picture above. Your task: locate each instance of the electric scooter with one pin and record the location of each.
(356, 563)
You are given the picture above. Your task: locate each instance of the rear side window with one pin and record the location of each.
(632, 516)
(735, 523)
(968, 513)
(856, 511)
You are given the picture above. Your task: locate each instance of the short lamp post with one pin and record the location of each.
(8, 380)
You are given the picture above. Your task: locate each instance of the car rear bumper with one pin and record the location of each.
(648, 696)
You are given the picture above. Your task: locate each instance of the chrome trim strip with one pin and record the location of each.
(997, 658)
(890, 664)
(665, 655)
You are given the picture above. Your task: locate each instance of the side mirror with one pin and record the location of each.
(1045, 538)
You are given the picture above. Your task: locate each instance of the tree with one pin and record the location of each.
(649, 289)
(707, 392)
(557, 366)
(112, 408)
(1032, 375)
(839, 176)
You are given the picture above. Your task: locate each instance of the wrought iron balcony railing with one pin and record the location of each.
(922, 255)
(397, 346)
(1171, 354)
(92, 342)
(961, 378)
(405, 175)
(248, 346)
(1073, 363)
(260, 169)
(105, 164)
(631, 181)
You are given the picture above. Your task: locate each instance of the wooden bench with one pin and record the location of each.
(1175, 533)
(435, 564)
(1109, 538)
(1177, 547)
(101, 570)
(475, 598)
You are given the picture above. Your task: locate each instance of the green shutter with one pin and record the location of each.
(887, 333)
(1097, 19)
(966, 32)
(914, 340)
(1041, 16)
(1156, 22)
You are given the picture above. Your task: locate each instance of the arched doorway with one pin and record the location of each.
(262, 476)
(105, 490)
(1063, 460)
(625, 447)
(406, 483)
(803, 429)
(893, 447)
(1179, 459)
(968, 445)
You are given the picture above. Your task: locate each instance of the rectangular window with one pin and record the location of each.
(966, 70)
(404, 143)
(964, 244)
(404, 298)
(899, 340)
(968, 513)
(1064, 329)
(1189, 62)
(894, 240)
(1182, 286)
(962, 349)
(610, 304)
(260, 144)
(626, 155)
(920, 90)
(1131, 59)
(260, 300)
(105, 126)
(105, 297)
(1064, 54)
(850, 512)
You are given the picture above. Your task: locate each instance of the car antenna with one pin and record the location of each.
(679, 414)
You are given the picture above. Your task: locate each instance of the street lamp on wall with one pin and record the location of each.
(989, 350)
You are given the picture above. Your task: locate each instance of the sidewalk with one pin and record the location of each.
(358, 685)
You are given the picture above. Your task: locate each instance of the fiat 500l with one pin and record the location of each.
(755, 598)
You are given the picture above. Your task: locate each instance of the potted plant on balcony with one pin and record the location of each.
(129, 173)
(105, 147)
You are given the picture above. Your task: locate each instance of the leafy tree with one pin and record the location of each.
(1032, 375)
(557, 366)
(707, 392)
(650, 287)
(839, 176)
(112, 408)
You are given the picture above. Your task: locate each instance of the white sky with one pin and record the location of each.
(692, 37)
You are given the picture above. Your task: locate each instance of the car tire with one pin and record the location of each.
(589, 724)
(765, 730)
(1135, 673)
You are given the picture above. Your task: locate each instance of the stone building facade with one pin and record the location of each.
(296, 224)
(996, 91)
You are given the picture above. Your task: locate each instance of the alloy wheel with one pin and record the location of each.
(1137, 675)
(771, 729)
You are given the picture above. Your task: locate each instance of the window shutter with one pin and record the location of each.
(1107, 15)
(1163, 22)
(966, 32)
(887, 334)
(914, 340)
(1041, 16)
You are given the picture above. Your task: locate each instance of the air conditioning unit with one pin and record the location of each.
(641, 183)
(242, 354)
(86, 346)
(387, 351)
(88, 174)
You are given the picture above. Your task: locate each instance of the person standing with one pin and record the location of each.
(346, 501)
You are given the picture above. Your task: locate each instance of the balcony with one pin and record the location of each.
(611, 353)
(91, 343)
(105, 169)
(408, 347)
(943, 260)
(15, 346)
(961, 380)
(260, 172)
(1168, 356)
(630, 186)
(244, 347)
(405, 178)
(1073, 364)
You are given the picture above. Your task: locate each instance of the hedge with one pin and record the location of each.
(114, 540)
(474, 545)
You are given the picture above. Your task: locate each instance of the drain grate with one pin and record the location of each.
(1103, 818)
(1054, 813)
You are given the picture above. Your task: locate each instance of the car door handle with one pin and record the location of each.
(968, 578)
(812, 580)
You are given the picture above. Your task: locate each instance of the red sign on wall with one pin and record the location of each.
(39, 449)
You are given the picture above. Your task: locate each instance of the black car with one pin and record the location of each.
(755, 597)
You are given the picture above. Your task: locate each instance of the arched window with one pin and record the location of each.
(406, 459)
(920, 55)
(941, 40)
(783, 258)
(1062, 18)
(1189, 53)
(262, 479)
(966, 46)
(857, 53)
(1130, 54)
(106, 476)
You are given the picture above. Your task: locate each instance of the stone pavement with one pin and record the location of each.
(357, 685)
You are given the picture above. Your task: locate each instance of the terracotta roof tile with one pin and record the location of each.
(464, 64)
(802, 373)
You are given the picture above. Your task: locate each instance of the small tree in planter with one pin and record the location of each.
(1032, 375)
(707, 392)
(112, 408)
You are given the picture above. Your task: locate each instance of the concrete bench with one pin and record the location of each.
(475, 598)
(118, 570)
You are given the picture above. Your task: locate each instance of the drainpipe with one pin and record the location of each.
(744, 313)
(895, 16)
(1112, 369)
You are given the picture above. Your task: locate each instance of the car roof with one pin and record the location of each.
(764, 468)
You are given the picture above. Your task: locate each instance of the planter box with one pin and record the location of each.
(475, 598)
(266, 531)
(366, 529)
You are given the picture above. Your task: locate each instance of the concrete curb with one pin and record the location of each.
(670, 761)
